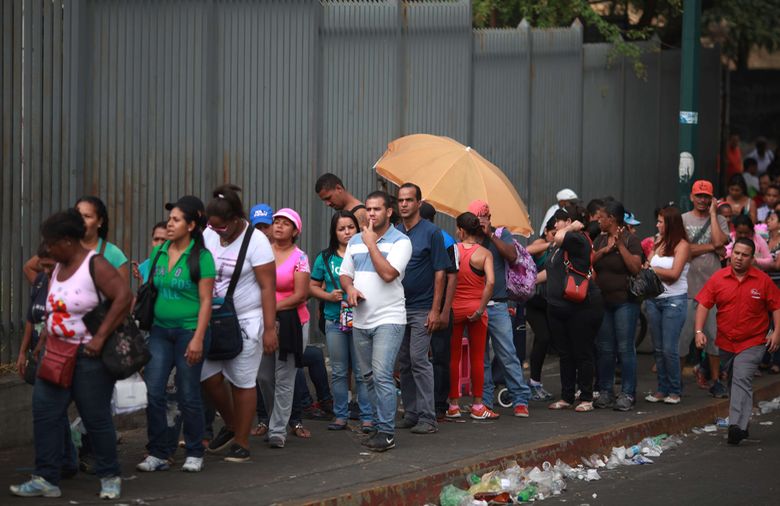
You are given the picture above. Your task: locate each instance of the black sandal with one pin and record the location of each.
(337, 424)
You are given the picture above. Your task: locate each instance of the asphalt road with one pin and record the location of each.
(704, 470)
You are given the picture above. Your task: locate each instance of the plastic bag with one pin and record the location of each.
(453, 496)
(129, 395)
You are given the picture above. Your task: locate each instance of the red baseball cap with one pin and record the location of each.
(702, 186)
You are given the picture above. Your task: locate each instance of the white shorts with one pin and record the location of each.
(240, 371)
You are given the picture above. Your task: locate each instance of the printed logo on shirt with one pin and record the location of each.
(754, 293)
(177, 273)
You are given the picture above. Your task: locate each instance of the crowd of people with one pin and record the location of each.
(397, 296)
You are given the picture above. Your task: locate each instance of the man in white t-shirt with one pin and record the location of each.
(254, 300)
(371, 275)
(564, 198)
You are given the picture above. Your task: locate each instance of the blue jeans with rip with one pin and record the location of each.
(91, 390)
(341, 350)
(168, 347)
(616, 337)
(501, 333)
(376, 350)
(666, 317)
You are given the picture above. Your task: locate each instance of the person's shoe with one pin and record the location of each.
(736, 434)
(405, 423)
(701, 378)
(604, 400)
(110, 488)
(152, 463)
(193, 465)
(367, 440)
(222, 441)
(327, 407)
(539, 394)
(337, 424)
(423, 428)
(672, 399)
(36, 487)
(484, 413)
(718, 390)
(624, 402)
(521, 410)
(656, 397)
(453, 412)
(596, 394)
(381, 442)
(237, 453)
(313, 412)
(276, 442)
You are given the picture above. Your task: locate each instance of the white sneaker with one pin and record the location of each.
(193, 465)
(152, 463)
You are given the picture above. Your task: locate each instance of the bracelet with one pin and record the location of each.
(699, 332)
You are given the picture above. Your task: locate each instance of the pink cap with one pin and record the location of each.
(479, 208)
(291, 215)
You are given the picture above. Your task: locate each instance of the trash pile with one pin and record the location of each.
(516, 484)
(764, 408)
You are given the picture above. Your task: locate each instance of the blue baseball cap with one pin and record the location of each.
(261, 213)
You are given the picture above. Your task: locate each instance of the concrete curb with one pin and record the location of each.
(424, 487)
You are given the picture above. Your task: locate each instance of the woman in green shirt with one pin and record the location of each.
(184, 278)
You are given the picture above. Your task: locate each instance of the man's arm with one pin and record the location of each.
(506, 250)
(701, 317)
(432, 323)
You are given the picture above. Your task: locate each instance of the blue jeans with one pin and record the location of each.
(667, 317)
(376, 351)
(616, 338)
(168, 347)
(501, 333)
(341, 348)
(91, 390)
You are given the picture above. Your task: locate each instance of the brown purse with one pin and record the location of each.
(58, 362)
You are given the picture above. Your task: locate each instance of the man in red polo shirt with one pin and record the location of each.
(744, 296)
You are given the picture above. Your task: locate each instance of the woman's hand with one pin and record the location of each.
(270, 341)
(476, 315)
(21, 364)
(194, 353)
(94, 346)
(336, 295)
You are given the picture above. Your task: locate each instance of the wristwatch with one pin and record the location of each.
(699, 332)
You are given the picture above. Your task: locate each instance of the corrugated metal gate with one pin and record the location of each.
(143, 101)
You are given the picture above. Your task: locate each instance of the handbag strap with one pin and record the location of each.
(570, 268)
(92, 275)
(239, 262)
(150, 278)
(325, 259)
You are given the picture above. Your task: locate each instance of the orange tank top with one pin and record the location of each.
(470, 284)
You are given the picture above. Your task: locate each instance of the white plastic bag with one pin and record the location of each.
(129, 395)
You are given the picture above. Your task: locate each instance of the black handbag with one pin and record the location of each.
(646, 284)
(125, 351)
(143, 310)
(226, 336)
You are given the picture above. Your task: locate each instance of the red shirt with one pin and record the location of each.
(743, 307)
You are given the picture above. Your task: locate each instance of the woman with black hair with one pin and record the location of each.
(95, 216)
(72, 294)
(617, 256)
(254, 300)
(573, 325)
(184, 278)
(738, 198)
(325, 286)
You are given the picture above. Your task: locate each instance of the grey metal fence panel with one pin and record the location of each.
(603, 91)
(140, 102)
(501, 125)
(556, 116)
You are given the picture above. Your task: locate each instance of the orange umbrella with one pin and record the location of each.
(451, 176)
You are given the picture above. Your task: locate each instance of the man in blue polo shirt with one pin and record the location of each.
(424, 290)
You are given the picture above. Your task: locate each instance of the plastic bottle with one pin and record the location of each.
(453, 496)
(633, 451)
(527, 494)
(473, 479)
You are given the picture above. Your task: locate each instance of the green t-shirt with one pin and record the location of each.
(318, 273)
(177, 303)
(112, 253)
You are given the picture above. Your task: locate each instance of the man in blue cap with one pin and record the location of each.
(262, 217)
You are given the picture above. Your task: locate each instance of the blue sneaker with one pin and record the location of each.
(36, 487)
(110, 488)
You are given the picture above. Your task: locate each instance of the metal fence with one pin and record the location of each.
(143, 101)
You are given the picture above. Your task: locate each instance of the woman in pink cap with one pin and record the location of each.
(277, 371)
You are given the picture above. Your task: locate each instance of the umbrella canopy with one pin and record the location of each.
(451, 176)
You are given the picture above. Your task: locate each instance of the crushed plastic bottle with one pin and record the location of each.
(633, 451)
(769, 406)
(592, 475)
(453, 496)
(473, 479)
(565, 469)
(527, 494)
(722, 423)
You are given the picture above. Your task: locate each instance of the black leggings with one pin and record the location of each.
(574, 330)
(536, 316)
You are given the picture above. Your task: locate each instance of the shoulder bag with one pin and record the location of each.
(345, 311)
(226, 335)
(646, 284)
(125, 351)
(143, 310)
(575, 288)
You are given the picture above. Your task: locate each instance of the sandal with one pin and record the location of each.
(300, 431)
(584, 407)
(260, 430)
(337, 424)
(559, 404)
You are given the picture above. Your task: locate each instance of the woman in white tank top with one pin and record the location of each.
(666, 313)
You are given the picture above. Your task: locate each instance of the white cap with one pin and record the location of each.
(566, 194)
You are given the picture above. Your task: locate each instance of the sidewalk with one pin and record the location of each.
(333, 468)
